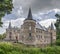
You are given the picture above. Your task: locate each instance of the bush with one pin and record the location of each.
(58, 42)
(9, 48)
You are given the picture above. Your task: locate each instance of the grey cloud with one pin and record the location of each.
(37, 5)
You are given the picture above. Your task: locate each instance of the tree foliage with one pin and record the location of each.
(5, 8)
(57, 24)
(9, 48)
(2, 36)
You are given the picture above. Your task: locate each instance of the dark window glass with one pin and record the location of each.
(30, 37)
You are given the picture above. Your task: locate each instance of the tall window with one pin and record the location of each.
(10, 35)
(16, 38)
(29, 34)
(30, 37)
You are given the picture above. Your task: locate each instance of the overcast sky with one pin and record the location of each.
(21, 7)
(37, 5)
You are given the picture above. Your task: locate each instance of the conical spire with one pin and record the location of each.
(29, 15)
(52, 26)
(9, 25)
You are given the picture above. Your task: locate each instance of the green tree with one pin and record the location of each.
(2, 36)
(57, 24)
(5, 8)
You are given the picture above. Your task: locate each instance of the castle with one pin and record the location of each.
(31, 33)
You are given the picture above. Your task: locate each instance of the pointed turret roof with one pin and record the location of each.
(9, 25)
(29, 17)
(52, 26)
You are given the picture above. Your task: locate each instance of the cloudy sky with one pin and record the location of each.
(37, 5)
(21, 7)
(41, 9)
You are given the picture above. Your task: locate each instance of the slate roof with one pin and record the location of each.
(29, 17)
(39, 26)
(44, 28)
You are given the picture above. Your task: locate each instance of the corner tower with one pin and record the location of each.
(9, 33)
(53, 33)
(29, 28)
